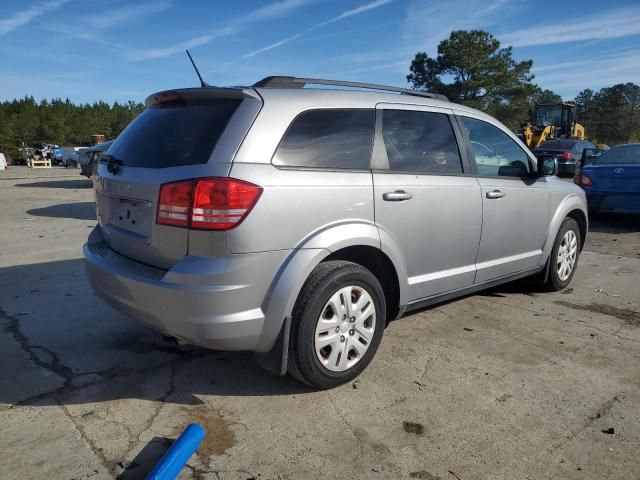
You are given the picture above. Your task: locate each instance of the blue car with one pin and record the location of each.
(56, 155)
(612, 180)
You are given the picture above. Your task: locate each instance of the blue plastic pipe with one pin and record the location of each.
(170, 465)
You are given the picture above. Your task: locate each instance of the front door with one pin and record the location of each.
(426, 199)
(515, 205)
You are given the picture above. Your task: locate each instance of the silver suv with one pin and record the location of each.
(298, 222)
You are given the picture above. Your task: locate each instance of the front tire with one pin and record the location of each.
(337, 324)
(563, 261)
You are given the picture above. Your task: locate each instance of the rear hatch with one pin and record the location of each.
(182, 134)
(622, 178)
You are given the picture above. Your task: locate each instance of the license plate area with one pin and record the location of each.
(127, 217)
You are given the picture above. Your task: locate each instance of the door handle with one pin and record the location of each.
(495, 194)
(397, 196)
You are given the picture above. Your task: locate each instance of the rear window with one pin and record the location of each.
(333, 139)
(557, 145)
(173, 134)
(620, 155)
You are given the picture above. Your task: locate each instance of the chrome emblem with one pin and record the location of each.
(619, 170)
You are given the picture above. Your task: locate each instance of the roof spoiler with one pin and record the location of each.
(294, 82)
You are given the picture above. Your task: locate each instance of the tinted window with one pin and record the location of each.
(420, 142)
(328, 139)
(496, 153)
(174, 134)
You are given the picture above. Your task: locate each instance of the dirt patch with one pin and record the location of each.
(219, 437)
(424, 475)
(413, 427)
(630, 317)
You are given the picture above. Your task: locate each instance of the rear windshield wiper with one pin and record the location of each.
(109, 158)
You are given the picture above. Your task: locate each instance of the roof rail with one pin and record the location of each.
(294, 82)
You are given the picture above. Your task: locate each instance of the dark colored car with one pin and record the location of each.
(90, 157)
(568, 152)
(612, 180)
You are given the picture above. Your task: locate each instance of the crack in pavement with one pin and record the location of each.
(51, 362)
(12, 327)
(599, 412)
(97, 451)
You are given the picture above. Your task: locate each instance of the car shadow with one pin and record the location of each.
(77, 210)
(73, 184)
(614, 223)
(71, 348)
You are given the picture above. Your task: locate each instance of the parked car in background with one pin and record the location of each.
(70, 156)
(611, 179)
(90, 157)
(56, 155)
(568, 152)
(297, 222)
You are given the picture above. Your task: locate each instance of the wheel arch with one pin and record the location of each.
(572, 206)
(359, 242)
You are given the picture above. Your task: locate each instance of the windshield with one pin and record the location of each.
(627, 154)
(548, 115)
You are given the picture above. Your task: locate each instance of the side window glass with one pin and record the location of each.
(333, 139)
(496, 153)
(420, 142)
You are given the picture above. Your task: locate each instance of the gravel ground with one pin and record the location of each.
(509, 383)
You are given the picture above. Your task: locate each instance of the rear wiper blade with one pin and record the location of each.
(109, 158)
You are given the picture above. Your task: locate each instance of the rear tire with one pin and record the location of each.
(337, 324)
(563, 260)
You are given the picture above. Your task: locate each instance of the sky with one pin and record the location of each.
(118, 50)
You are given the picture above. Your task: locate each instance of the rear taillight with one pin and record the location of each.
(174, 203)
(565, 156)
(582, 179)
(206, 203)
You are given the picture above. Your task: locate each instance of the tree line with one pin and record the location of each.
(473, 69)
(60, 122)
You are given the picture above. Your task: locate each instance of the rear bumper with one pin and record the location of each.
(614, 202)
(568, 166)
(190, 302)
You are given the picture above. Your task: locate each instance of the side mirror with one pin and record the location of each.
(547, 165)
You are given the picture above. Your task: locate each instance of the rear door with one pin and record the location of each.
(426, 199)
(181, 135)
(515, 206)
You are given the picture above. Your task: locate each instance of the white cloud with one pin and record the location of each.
(614, 24)
(23, 17)
(277, 9)
(150, 53)
(349, 13)
(127, 15)
(272, 46)
(568, 78)
(273, 10)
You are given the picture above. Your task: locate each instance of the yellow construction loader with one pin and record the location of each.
(550, 121)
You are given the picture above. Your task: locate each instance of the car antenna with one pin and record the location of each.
(203, 84)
